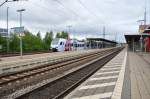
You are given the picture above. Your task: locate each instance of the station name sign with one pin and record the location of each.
(18, 30)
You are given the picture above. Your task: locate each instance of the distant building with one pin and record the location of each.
(3, 32)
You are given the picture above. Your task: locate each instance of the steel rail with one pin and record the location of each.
(32, 72)
(103, 59)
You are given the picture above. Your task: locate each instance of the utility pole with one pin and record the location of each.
(7, 32)
(103, 36)
(116, 37)
(104, 32)
(20, 11)
(145, 14)
(69, 30)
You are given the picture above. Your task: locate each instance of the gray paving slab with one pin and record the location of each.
(79, 93)
(126, 92)
(109, 70)
(109, 88)
(101, 81)
(105, 75)
(140, 77)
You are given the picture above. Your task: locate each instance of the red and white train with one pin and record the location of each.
(60, 44)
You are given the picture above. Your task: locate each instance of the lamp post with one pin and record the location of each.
(7, 32)
(141, 41)
(20, 11)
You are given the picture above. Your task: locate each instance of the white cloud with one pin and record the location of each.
(87, 17)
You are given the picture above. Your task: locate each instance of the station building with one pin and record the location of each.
(140, 41)
(3, 32)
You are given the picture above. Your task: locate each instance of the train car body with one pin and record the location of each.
(80, 45)
(68, 45)
(58, 44)
(77, 45)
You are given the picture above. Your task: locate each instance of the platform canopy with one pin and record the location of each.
(101, 39)
(136, 41)
(136, 36)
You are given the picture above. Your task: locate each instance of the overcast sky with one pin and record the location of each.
(87, 17)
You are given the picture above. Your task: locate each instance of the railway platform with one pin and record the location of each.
(126, 76)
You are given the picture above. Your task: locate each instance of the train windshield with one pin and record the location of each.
(55, 41)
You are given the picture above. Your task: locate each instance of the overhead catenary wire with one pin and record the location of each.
(89, 11)
(70, 10)
(49, 10)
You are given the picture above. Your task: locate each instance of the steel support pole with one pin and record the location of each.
(21, 34)
(7, 32)
(133, 44)
(141, 40)
(21, 50)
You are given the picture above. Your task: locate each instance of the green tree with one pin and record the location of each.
(3, 44)
(58, 35)
(28, 42)
(38, 42)
(32, 42)
(14, 43)
(62, 34)
(47, 40)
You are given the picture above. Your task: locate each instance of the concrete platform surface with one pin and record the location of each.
(106, 83)
(140, 76)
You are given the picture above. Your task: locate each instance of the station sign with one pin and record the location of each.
(18, 30)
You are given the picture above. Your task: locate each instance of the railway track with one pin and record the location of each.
(20, 76)
(61, 87)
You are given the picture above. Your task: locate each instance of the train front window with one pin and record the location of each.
(61, 43)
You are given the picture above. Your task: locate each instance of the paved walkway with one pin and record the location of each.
(106, 83)
(140, 77)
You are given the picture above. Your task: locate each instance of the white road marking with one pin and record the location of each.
(101, 73)
(97, 85)
(103, 78)
(97, 96)
(110, 68)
